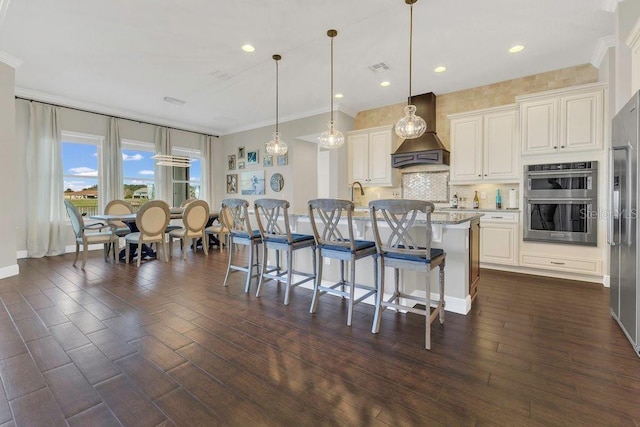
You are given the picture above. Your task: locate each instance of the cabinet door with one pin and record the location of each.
(581, 122)
(539, 128)
(358, 157)
(497, 244)
(466, 149)
(500, 146)
(380, 158)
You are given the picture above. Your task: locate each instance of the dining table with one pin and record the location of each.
(130, 220)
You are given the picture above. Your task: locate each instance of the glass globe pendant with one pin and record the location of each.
(276, 146)
(331, 138)
(410, 126)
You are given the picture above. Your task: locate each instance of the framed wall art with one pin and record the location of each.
(252, 183)
(241, 152)
(267, 161)
(252, 157)
(240, 165)
(232, 183)
(283, 160)
(231, 160)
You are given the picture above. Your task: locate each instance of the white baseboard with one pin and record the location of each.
(546, 273)
(71, 249)
(12, 270)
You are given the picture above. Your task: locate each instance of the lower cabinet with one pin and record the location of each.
(562, 263)
(499, 237)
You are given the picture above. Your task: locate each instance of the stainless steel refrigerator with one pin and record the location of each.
(623, 223)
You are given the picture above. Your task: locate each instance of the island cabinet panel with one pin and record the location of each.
(370, 157)
(484, 146)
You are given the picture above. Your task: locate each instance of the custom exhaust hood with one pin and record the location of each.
(428, 149)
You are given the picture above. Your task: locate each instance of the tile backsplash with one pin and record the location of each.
(432, 186)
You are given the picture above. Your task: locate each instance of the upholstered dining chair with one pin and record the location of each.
(405, 243)
(119, 207)
(332, 223)
(151, 219)
(273, 221)
(234, 214)
(195, 217)
(86, 235)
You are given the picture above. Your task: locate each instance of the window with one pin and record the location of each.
(138, 170)
(81, 157)
(186, 181)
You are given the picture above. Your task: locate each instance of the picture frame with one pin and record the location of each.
(232, 183)
(241, 152)
(267, 161)
(252, 183)
(240, 165)
(252, 157)
(231, 162)
(283, 160)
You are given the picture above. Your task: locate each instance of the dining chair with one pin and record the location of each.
(119, 207)
(151, 219)
(86, 235)
(219, 230)
(195, 217)
(234, 215)
(273, 222)
(405, 243)
(329, 218)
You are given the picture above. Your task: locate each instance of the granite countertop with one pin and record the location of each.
(436, 217)
(516, 210)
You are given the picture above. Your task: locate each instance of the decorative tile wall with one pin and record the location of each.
(431, 186)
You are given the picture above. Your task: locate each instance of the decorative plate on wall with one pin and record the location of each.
(277, 182)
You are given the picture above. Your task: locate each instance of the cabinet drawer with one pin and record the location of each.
(500, 217)
(582, 266)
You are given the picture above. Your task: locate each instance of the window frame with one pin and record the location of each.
(192, 153)
(149, 147)
(86, 139)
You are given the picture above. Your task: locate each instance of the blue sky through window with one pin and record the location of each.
(80, 165)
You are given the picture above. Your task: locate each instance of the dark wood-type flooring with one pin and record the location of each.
(166, 344)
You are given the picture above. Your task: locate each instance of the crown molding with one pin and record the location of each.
(604, 43)
(4, 6)
(11, 61)
(634, 35)
(109, 111)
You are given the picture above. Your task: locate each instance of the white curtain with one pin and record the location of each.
(45, 212)
(112, 163)
(207, 169)
(163, 173)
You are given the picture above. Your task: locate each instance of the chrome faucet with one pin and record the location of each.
(353, 187)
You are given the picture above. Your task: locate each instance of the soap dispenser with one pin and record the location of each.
(498, 200)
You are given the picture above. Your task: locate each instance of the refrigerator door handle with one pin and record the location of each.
(618, 212)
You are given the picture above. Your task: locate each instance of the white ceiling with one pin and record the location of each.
(126, 56)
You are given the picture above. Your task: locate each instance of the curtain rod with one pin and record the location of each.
(115, 117)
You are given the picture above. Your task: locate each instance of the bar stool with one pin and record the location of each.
(234, 215)
(408, 221)
(269, 213)
(325, 215)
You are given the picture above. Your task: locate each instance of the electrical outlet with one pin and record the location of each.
(483, 195)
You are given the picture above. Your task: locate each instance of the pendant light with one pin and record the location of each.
(276, 147)
(410, 126)
(331, 138)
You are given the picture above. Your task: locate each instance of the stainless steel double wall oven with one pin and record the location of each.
(560, 201)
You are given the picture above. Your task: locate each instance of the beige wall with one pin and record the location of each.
(492, 95)
(9, 171)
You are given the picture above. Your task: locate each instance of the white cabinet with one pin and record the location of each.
(484, 145)
(370, 157)
(566, 120)
(499, 237)
(633, 41)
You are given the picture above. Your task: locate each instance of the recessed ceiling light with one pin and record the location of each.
(385, 84)
(515, 49)
(338, 95)
(248, 48)
(440, 69)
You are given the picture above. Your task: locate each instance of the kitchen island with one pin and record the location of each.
(457, 233)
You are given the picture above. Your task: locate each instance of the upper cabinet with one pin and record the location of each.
(565, 120)
(484, 145)
(370, 157)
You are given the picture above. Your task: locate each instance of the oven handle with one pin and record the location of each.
(581, 172)
(564, 200)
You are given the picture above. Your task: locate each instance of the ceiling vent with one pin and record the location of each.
(380, 66)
